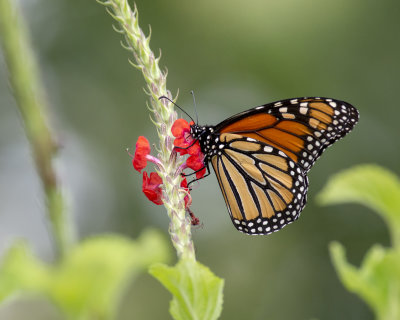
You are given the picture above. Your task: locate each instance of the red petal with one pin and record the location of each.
(184, 183)
(139, 163)
(181, 145)
(179, 128)
(155, 179)
(195, 149)
(151, 187)
(142, 150)
(195, 163)
(143, 145)
(201, 173)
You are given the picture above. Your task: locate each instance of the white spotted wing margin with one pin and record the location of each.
(263, 188)
(327, 120)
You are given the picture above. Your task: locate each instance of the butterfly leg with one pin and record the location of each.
(206, 175)
(190, 174)
(193, 143)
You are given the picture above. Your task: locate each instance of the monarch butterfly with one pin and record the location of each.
(261, 157)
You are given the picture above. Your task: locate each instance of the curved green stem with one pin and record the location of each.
(29, 95)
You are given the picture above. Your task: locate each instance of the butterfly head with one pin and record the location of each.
(204, 134)
(199, 132)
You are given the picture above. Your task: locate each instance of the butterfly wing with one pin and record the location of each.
(302, 128)
(263, 188)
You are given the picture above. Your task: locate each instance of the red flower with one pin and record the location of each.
(151, 187)
(196, 163)
(141, 152)
(180, 127)
(184, 185)
(185, 144)
(183, 139)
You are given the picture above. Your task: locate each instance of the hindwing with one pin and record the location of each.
(263, 188)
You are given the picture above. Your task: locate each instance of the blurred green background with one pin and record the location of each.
(234, 55)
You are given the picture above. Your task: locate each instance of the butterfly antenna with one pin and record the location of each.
(164, 97)
(195, 107)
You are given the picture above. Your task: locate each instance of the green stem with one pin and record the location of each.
(138, 44)
(29, 95)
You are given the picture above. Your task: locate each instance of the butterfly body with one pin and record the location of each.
(261, 157)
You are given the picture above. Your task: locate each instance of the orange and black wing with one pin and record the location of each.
(263, 188)
(302, 128)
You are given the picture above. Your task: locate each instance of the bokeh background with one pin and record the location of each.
(235, 55)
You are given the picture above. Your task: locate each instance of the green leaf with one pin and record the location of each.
(95, 274)
(20, 272)
(369, 185)
(377, 281)
(89, 282)
(197, 292)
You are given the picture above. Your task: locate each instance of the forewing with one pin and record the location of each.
(302, 128)
(263, 188)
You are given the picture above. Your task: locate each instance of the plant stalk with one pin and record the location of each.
(29, 95)
(164, 116)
